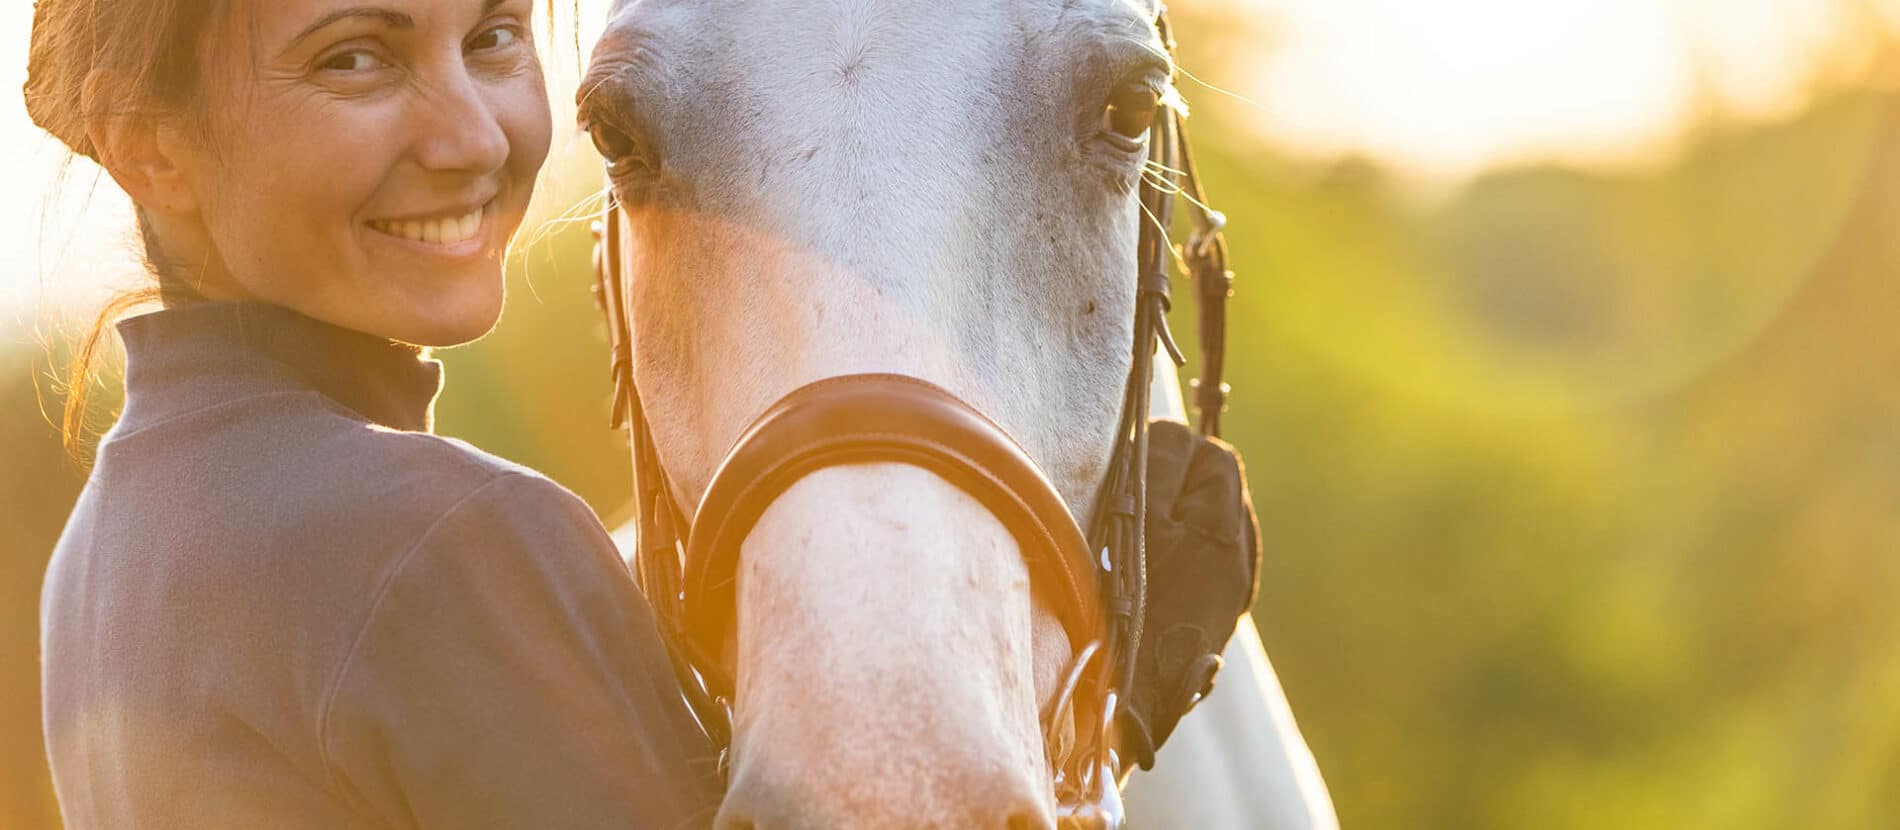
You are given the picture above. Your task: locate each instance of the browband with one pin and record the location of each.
(871, 418)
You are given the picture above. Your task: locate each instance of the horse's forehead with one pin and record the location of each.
(900, 86)
(721, 35)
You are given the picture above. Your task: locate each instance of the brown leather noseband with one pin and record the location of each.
(871, 418)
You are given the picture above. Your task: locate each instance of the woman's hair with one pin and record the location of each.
(98, 59)
(92, 59)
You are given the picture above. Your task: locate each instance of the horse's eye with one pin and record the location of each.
(614, 144)
(1131, 110)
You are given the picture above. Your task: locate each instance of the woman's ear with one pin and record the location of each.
(147, 156)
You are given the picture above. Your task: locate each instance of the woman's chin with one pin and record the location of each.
(441, 319)
(443, 330)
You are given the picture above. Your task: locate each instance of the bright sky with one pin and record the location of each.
(1439, 89)
(1443, 88)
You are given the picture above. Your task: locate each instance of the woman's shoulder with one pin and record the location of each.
(309, 482)
(459, 506)
(429, 461)
(298, 443)
(436, 479)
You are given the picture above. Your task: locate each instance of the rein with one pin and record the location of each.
(686, 564)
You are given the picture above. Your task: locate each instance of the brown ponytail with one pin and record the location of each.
(97, 59)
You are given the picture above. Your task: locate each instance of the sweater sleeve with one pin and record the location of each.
(510, 675)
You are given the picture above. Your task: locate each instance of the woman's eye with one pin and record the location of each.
(496, 38)
(1131, 110)
(354, 61)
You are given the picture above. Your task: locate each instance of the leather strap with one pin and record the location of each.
(870, 418)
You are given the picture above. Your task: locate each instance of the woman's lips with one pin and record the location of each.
(436, 230)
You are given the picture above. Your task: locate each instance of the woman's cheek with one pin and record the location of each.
(317, 175)
(529, 124)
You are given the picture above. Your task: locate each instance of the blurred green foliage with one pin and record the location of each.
(1581, 491)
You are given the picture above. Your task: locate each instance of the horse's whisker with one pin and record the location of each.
(584, 210)
(1222, 90)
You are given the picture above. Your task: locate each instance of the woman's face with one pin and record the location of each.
(366, 161)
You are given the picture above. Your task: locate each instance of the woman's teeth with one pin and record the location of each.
(446, 231)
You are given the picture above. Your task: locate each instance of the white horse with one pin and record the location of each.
(816, 189)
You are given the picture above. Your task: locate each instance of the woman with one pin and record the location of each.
(281, 602)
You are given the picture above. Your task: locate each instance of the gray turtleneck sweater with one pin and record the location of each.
(282, 603)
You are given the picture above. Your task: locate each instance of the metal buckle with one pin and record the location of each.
(1088, 794)
(1058, 728)
(1200, 243)
(1094, 801)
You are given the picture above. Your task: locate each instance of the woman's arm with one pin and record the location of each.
(510, 675)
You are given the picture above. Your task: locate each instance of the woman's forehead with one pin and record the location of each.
(285, 21)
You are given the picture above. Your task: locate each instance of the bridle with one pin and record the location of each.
(1098, 579)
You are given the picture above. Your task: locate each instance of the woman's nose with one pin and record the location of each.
(462, 132)
(807, 794)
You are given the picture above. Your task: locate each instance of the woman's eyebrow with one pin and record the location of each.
(389, 17)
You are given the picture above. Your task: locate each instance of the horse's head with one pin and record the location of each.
(941, 190)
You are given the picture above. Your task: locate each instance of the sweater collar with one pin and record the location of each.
(200, 354)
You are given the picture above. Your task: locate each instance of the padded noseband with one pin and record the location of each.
(872, 418)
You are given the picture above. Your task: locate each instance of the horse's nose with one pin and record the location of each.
(800, 794)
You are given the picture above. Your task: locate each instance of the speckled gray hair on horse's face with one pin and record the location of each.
(880, 186)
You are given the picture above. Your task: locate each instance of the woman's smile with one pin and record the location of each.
(455, 233)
